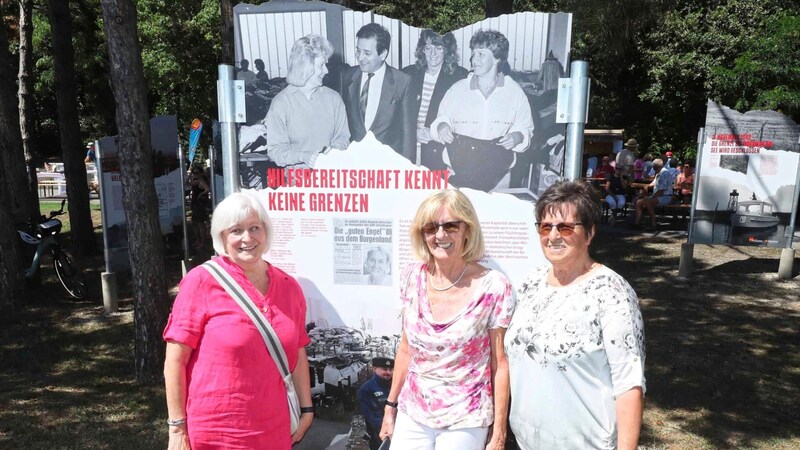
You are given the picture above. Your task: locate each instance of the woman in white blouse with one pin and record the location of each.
(575, 344)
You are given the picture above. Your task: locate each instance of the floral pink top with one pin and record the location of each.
(449, 382)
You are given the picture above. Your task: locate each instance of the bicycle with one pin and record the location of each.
(44, 235)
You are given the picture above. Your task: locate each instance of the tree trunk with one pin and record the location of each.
(226, 32)
(25, 94)
(151, 302)
(72, 150)
(14, 175)
(14, 205)
(496, 8)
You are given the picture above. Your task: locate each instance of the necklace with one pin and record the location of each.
(454, 283)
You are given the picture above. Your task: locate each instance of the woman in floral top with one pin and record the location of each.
(451, 374)
(576, 343)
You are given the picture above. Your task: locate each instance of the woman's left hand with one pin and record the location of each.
(305, 424)
(510, 140)
(497, 442)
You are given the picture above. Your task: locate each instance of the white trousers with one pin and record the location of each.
(409, 435)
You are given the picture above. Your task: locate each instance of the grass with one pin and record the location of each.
(723, 356)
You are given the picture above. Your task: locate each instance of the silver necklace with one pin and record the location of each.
(454, 283)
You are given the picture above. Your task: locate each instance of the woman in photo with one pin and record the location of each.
(485, 119)
(432, 75)
(450, 384)
(223, 388)
(576, 342)
(306, 118)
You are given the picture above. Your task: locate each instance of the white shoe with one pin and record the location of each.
(612, 219)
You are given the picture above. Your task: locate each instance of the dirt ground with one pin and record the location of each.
(723, 359)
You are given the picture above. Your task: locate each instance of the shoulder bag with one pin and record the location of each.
(270, 338)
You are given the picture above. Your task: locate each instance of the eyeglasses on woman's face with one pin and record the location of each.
(564, 228)
(448, 227)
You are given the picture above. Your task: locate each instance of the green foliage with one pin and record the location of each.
(767, 73)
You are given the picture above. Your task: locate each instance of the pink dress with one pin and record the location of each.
(235, 395)
(449, 382)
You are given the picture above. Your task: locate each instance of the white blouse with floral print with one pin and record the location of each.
(572, 350)
(449, 382)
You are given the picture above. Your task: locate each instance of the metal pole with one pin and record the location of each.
(227, 124)
(578, 108)
(108, 279)
(785, 267)
(101, 196)
(183, 207)
(701, 142)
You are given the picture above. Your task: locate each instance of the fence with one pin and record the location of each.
(267, 32)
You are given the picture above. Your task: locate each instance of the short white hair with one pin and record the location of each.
(235, 209)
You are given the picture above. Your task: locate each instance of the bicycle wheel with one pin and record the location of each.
(69, 276)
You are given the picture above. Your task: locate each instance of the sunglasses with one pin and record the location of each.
(448, 227)
(565, 229)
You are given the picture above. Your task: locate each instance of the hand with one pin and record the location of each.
(387, 427)
(178, 438)
(305, 424)
(510, 140)
(445, 133)
(497, 441)
(423, 135)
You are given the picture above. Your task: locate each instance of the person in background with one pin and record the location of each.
(615, 188)
(649, 173)
(685, 183)
(91, 157)
(605, 170)
(638, 168)
(575, 344)
(200, 204)
(662, 194)
(485, 119)
(626, 157)
(377, 96)
(450, 385)
(223, 388)
(432, 75)
(244, 73)
(372, 398)
(306, 118)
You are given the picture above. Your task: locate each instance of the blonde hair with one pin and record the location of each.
(459, 206)
(235, 209)
(301, 59)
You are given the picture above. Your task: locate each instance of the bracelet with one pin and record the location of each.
(392, 404)
(176, 422)
(306, 410)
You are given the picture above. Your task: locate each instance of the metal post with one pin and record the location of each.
(576, 120)
(108, 279)
(701, 142)
(230, 111)
(185, 262)
(787, 253)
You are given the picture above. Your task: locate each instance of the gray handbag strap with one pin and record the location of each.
(243, 300)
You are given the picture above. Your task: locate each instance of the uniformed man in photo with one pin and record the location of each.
(372, 397)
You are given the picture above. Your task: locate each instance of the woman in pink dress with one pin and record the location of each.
(450, 386)
(223, 388)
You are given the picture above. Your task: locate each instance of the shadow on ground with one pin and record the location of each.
(723, 348)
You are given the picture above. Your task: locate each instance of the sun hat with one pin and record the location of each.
(632, 143)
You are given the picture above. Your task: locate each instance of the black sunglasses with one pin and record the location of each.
(448, 227)
(564, 228)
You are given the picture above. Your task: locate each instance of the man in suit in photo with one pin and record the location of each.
(376, 96)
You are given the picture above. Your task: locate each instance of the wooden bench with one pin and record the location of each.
(675, 210)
